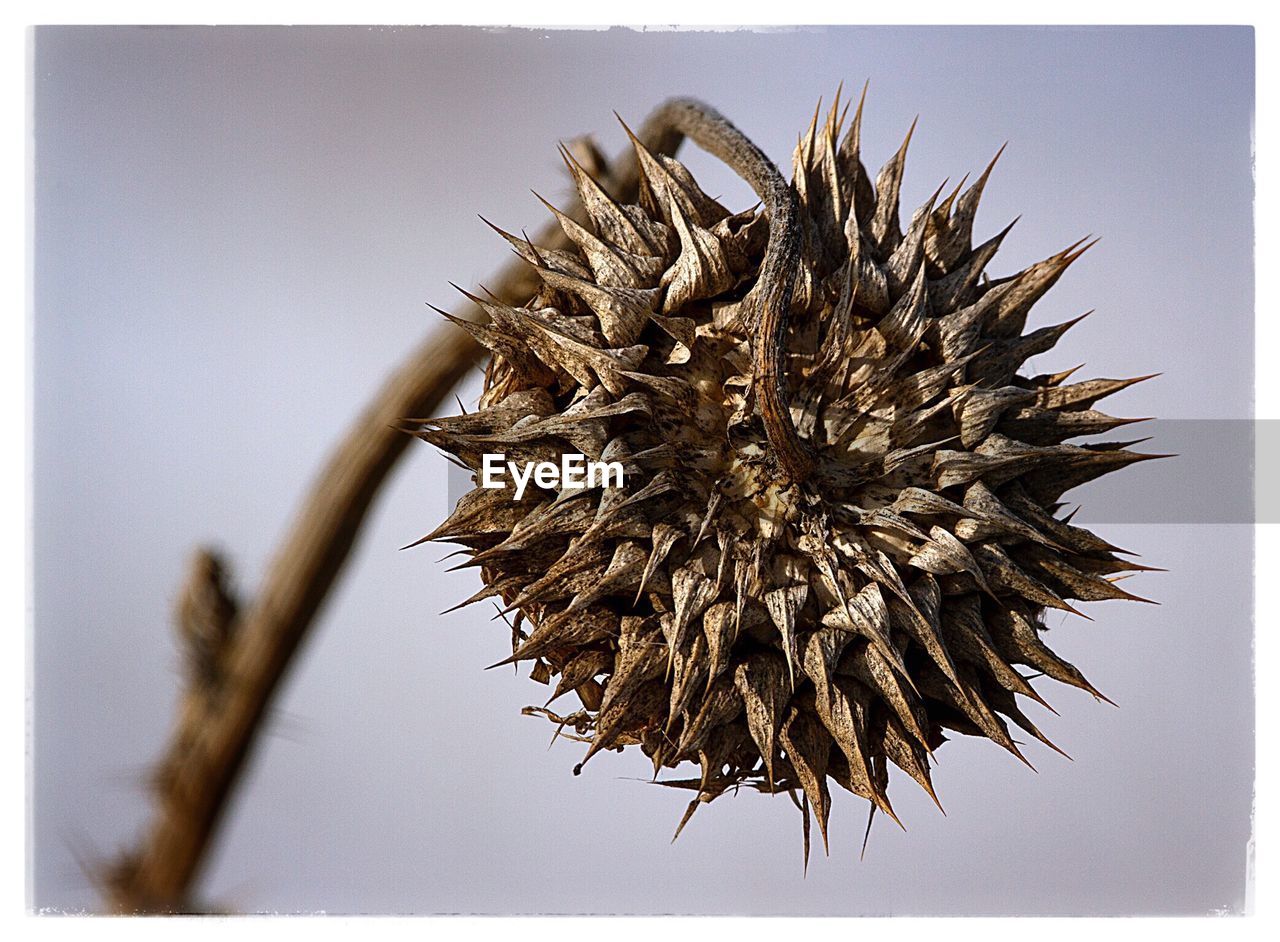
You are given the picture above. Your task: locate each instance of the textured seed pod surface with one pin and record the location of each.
(785, 620)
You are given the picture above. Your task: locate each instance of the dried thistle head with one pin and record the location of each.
(837, 534)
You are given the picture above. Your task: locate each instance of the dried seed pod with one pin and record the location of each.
(835, 534)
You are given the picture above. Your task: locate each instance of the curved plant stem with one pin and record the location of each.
(217, 726)
(715, 134)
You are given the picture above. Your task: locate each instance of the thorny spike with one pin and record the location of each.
(884, 227)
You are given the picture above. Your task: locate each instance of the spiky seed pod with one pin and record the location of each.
(837, 533)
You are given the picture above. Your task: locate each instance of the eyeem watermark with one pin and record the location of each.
(1210, 482)
(574, 472)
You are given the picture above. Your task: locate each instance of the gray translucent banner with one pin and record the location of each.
(1208, 480)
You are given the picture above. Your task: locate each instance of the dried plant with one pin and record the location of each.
(839, 527)
(798, 592)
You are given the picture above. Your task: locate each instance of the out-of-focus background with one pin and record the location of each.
(236, 232)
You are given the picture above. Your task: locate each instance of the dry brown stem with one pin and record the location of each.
(219, 719)
(715, 134)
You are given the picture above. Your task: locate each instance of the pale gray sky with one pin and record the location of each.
(236, 233)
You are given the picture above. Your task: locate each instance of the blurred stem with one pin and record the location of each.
(219, 721)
